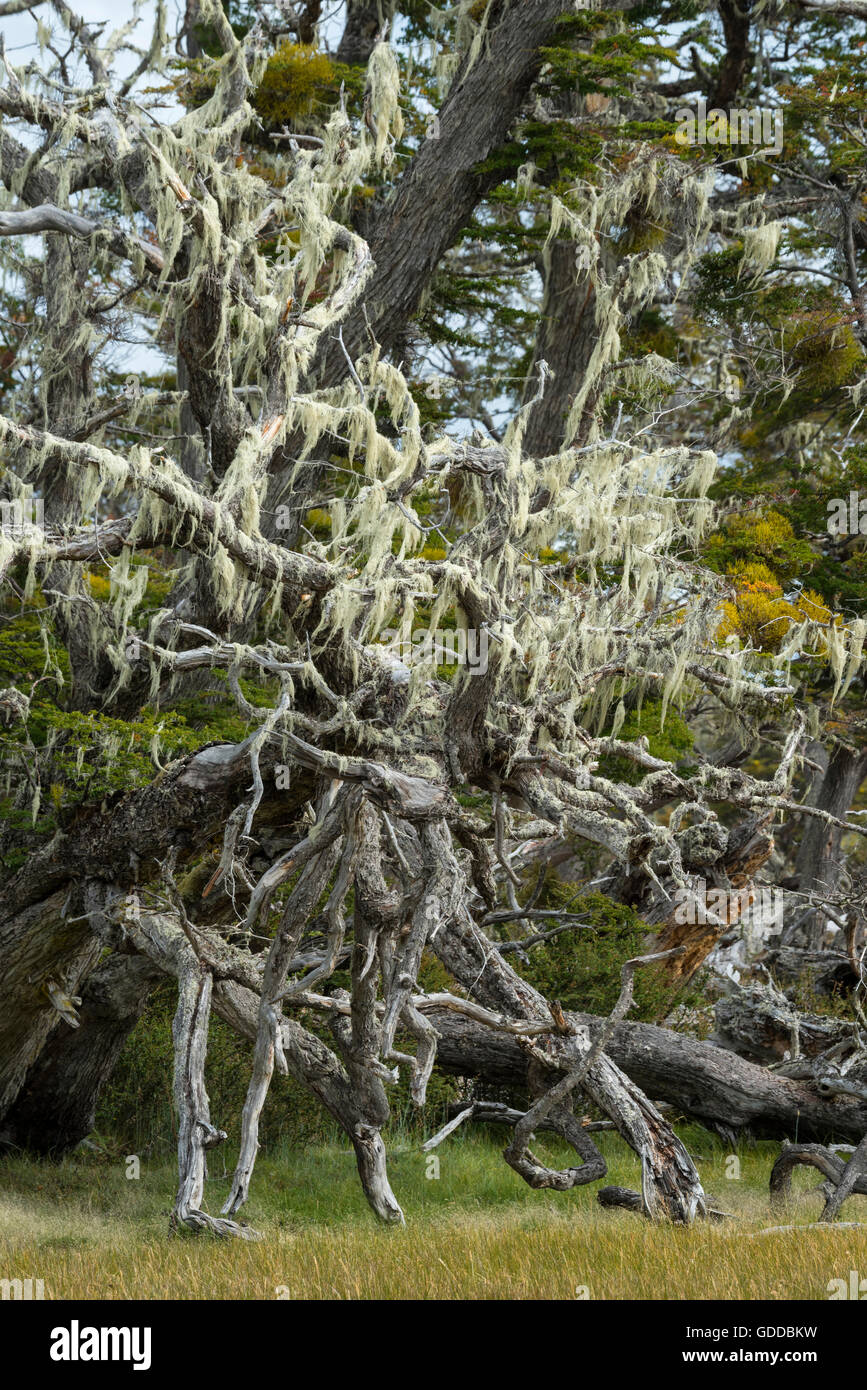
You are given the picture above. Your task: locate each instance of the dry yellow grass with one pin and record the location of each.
(477, 1233)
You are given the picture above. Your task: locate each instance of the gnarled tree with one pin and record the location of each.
(275, 518)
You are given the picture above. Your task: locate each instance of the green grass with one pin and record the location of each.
(476, 1232)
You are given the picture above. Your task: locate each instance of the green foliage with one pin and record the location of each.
(74, 756)
(118, 753)
(136, 1109)
(298, 89)
(581, 967)
(671, 741)
(720, 289)
(24, 655)
(296, 78)
(764, 535)
(611, 64)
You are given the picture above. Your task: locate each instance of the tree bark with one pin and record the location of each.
(39, 947)
(196, 1134)
(817, 866)
(565, 339)
(833, 1169)
(701, 1082)
(407, 242)
(56, 1107)
(760, 1028)
(852, 1179)
(364, 20)
(670, 1184)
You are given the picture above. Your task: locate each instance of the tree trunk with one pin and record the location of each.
(187, 40)
(712, 858)
(364, 20)
(704, 1083)
(761, 1028)
(406, 241)
(45, 936)
(196, 1134)
(41, 950)
(309, 1061)
(817, 866)
(565, 340)
(852, 1179)
(56, 1107)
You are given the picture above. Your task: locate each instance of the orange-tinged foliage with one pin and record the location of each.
(760, 615)
(766, 537)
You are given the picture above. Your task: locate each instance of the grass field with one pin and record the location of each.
(476, 1232)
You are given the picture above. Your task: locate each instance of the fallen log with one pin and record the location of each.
(702, 1082)
(826, 972)
(763, 1027)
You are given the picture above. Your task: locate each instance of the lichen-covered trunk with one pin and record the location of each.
(357, 1103)
(196, 1134)
(364, 21)
(565, 339)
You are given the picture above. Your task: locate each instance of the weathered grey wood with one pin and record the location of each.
(852, 1179)
(759, 1025)
(670, 1183)
(47, 218)
(699, 1081)
(361, 1110)
(818, 862)
(268, 1050)
(196, 1134)
(829, 1165)
(38, 945)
